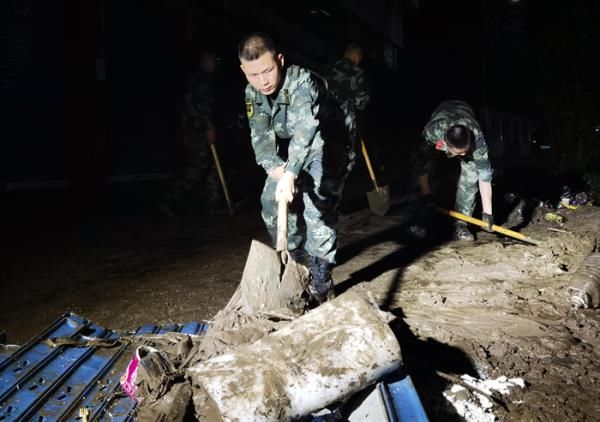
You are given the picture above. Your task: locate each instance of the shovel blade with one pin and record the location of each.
(271, 280)
(379, 201)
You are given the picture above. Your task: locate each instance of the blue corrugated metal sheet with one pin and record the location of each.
(42, 383)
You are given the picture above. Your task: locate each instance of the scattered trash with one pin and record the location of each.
(581, 198)
(555, 218)
(573, 201)
(474, 406)
(565, 196)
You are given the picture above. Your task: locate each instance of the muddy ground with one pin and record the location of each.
(490, 308)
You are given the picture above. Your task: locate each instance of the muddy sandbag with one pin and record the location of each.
(318, 359)
(174, 406)
(585, 283)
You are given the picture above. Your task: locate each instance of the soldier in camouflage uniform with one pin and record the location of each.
(293, 140)
(454, 130)
(349, 85)
(198, 129)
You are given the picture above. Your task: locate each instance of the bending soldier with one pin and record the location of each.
(454, 130)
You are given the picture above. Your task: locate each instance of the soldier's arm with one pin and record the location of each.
(485, 172)
(424, 153)
(481, 159)
(262, 137)
(302, 115)
(422, 158)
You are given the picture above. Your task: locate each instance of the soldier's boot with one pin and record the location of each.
(461, 232)
(320, 286)
(298, 255)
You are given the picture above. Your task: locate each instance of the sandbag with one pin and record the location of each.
(318, 359)
(585, 288)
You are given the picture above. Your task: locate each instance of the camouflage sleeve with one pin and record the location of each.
(362, 92)
(423, 157)
(481, 159)
(262, 137)
(302, 114)
(202, 101)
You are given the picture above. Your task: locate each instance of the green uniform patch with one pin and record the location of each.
(249, 108)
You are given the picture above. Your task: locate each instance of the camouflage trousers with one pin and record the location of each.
(467, 188)
(199, 170)
(314, 210)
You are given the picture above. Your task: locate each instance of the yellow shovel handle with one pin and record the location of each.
(480, 223)
(369, 166)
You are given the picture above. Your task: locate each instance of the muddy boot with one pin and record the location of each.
(461, 232)
(417, 231)
(320, 287)
(298, 255)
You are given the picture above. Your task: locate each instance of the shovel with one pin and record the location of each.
(222, 178)
(379, 198)
(480, 223)
(272, 282)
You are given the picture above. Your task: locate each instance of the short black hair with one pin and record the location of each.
(254, 45)
(353, 46)
(459, 136)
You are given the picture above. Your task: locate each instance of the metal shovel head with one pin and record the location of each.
(379, 201)
(271, 279)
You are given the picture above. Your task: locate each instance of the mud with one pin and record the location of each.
(506, 306)
(492, 308)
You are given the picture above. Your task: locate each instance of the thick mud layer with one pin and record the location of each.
(503, 308)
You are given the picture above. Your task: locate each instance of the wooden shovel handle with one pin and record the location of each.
(282, 217)
(369, 166)
(481, 223)
(213, 149)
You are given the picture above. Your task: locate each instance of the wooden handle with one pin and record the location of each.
(481, 223)
(369, 166)
(213, 149)
(282, 217)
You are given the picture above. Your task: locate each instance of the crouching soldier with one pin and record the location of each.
(294, 143)
(453, 129)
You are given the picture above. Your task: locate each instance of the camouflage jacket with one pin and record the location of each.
(199, 102)
(291, 115)
(348, 84)
(447, 114)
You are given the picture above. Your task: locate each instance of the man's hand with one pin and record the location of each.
(286, 187)
(488, 219)
(211, 136)
(277, 173)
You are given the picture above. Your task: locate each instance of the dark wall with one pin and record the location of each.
(32, 91)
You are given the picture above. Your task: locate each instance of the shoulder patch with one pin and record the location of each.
(249, 108)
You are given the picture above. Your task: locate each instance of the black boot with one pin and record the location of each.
(320, 287)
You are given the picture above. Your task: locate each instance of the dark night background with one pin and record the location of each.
(90, 90)
(90, 101)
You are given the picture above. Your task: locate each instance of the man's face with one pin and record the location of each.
(457, 152)
(264, 73)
